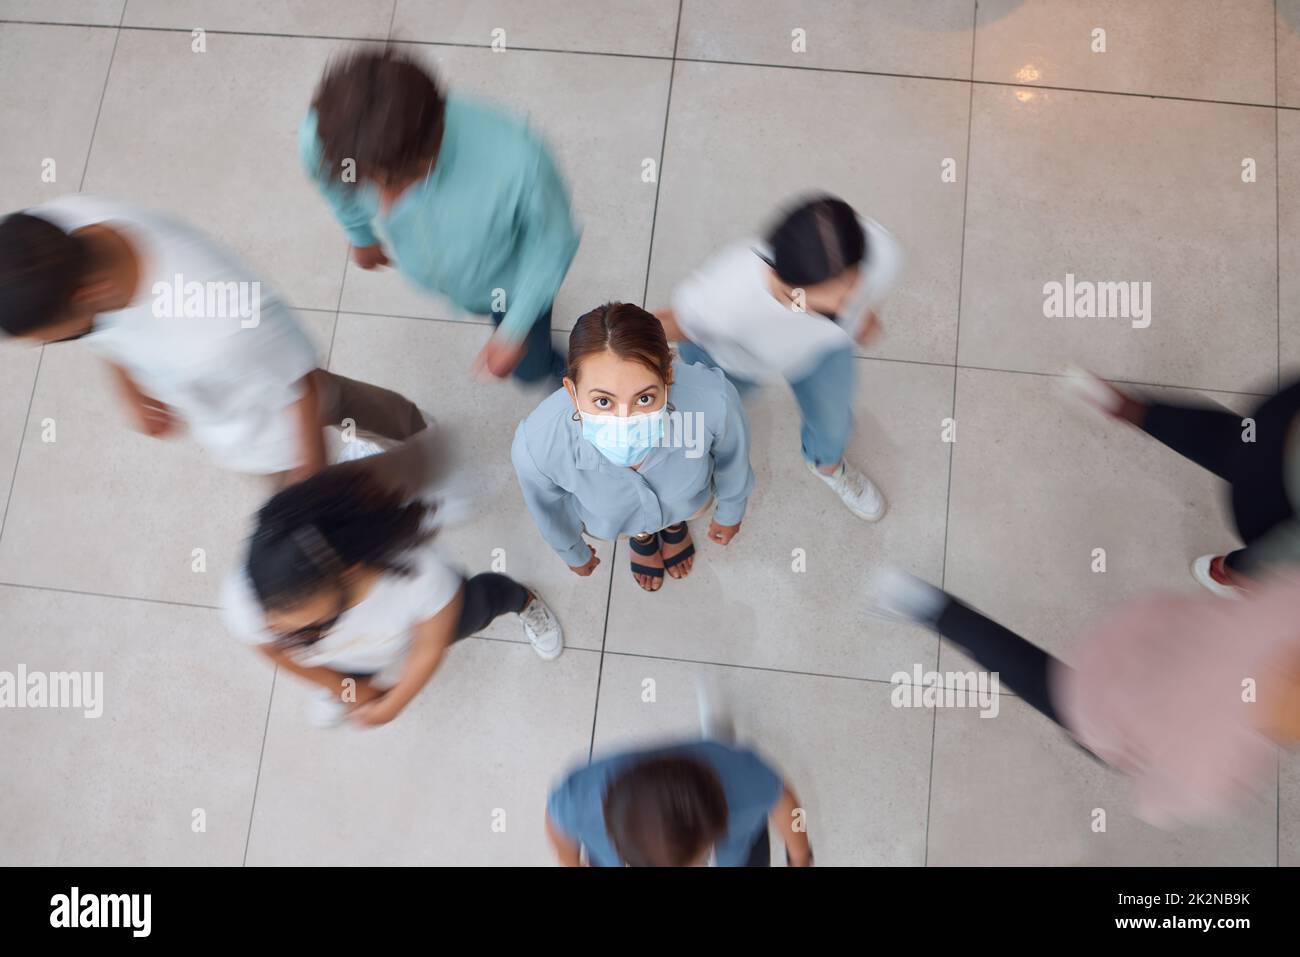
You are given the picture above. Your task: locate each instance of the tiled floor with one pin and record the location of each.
(1122, 165)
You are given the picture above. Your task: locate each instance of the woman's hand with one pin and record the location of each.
(722, 534)
(369, 257)
(375, 712)
(869, 331)
(587, 569)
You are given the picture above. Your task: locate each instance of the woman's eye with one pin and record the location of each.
(646, 399)
(602, 403)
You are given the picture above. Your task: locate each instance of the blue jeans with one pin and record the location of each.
(540, 358)
(825, 397)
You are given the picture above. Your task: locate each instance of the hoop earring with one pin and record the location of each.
(576, 417)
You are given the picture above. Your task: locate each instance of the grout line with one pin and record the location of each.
(600, 667)
(952, 446)
(388, 37)
(22, 440)
(102, 594)
(257, 780)
(663, 152)
(675, 59)
(1277, 201)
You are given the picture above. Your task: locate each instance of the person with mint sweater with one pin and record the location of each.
(465, 198)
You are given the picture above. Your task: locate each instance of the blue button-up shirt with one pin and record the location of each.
(570, 487)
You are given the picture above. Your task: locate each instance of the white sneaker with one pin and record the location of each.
(1201, 572)
(855, 490)
(543, 629)
(716, 723)
(326, 709)
(1090, 391)
(903, 596)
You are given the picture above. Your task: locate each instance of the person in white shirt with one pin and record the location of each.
(791, 309)
(344, 586)
(193, 337)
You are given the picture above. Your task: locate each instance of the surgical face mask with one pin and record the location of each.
(624, 440)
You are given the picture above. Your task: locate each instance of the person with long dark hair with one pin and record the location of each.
(344, 586)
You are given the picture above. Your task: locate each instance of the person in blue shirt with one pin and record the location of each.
(634, 444)
(688, 804)
(466, 199)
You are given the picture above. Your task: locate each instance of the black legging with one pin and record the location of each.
(1211, 436)
(487, 596)
(1020, 665)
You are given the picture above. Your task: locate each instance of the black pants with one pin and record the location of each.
(760, 852)
(488, 596)
(1211, 436)
(1021, 665)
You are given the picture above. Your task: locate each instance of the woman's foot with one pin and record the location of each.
(1211, 572)
(542, 628)
(1098, 395)
(677, 550)
(647, 565)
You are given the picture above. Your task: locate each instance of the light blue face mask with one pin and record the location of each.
(624, 440)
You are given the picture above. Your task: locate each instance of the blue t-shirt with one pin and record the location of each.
(752, 788)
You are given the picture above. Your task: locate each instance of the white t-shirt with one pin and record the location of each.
(228, 360)
(373, 636)
(727, 308)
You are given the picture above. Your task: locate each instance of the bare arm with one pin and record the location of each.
(567, 852)
(147, 414)
(311, 436)
(431, 639)
(788, 818)
(326, 678)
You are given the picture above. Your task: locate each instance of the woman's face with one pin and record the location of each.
(312, 618)
(830, 296)
(608, 385)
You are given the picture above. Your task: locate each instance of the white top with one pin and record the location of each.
(225, 353)
(373, 636)
(727, 308)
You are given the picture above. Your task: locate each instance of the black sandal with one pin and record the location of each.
(648, 547)
(670, 537)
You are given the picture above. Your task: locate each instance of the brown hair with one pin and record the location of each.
(626, 330)
(665, 811)
(380, 109)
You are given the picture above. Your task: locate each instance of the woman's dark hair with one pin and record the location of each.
(381, 110)
(816, 240)
(41, 268)
(663, 812)
(309, 533)
(624, 329)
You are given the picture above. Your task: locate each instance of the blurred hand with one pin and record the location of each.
(498, 358)
(154, 418)
(722, 534)
(587, 569)
(368, 257)
(374, 713)
(869, 331)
